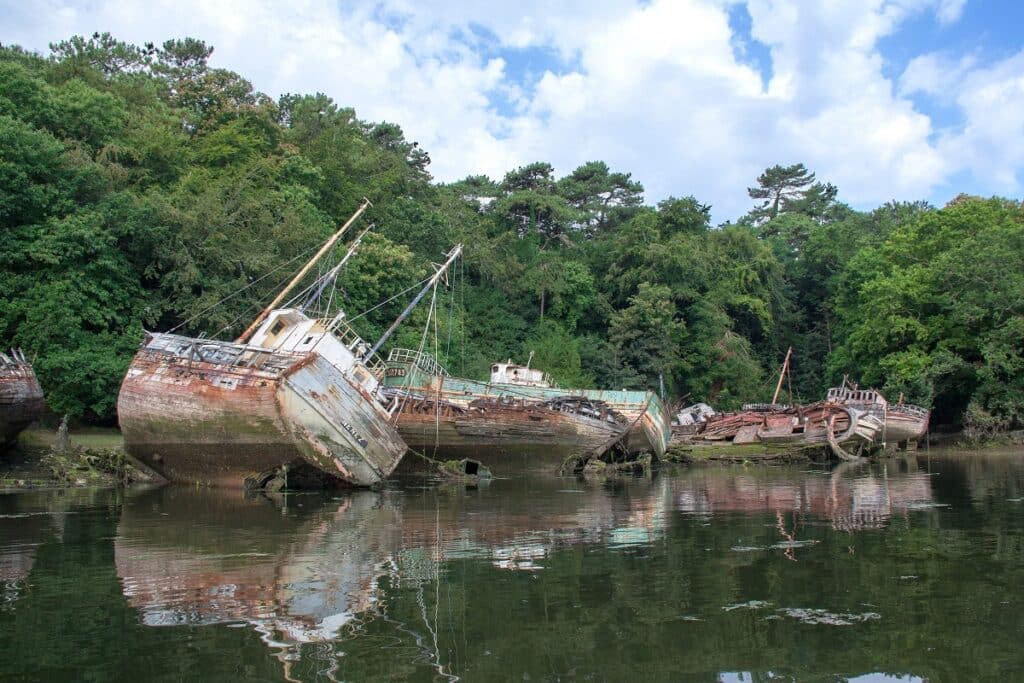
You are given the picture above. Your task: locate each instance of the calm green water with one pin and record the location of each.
(907, 570)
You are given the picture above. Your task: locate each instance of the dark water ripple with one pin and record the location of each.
(906, 570)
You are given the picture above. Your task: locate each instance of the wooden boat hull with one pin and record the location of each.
(501, 432)
(21, 400)
(229, 424)
(649, 420)
(817, 424)
(901, 422)
(900, 427)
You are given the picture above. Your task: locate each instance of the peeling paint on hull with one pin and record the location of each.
(220, 423)
(650, 430)
(496, 431)
(21, 399)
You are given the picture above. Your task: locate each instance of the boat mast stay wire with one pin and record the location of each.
(389, 299)
(246, 310)
(235, 293)
(302, 273)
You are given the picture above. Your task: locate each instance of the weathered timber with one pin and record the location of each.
(21, 398)
(224, 414)
(501, 428)
(420, 374)
(901, 422)
(821, 423)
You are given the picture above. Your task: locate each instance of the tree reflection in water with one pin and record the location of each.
(900, 566)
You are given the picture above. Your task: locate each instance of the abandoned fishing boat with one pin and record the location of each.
(824, 423)
(294, 395)
(645, 416)
(21, 398)
(496, 428)
(902, 423)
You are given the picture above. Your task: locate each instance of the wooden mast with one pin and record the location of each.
(785, 367)
(302, 273)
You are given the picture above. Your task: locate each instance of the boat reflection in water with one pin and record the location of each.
(849, 496)
(303, 569)
(194, 557)
(21, 533)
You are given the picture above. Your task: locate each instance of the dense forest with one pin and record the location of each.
(140, 187)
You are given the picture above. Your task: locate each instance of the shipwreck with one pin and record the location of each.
(520, 410)
(498, 427)
(295, 399)
(903, 424)
(21, 398)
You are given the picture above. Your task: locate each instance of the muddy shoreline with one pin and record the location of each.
(95, 457)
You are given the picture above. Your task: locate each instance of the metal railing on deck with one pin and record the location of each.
(344, 333)
(423, 361)
(222, 352)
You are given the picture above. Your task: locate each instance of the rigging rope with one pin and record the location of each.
(387, 301)
(239, 291)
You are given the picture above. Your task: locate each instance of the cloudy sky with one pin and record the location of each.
(888, 99)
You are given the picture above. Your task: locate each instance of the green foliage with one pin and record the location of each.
(142, 188)
(936, 310)
(790, 189)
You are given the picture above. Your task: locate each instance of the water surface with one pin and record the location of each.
(908, 570)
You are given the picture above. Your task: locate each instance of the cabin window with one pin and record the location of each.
(278, 326)
(309, 340)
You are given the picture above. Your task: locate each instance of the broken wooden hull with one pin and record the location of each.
(501, 431)
(21, 398)
(901, 423)
(647, 415)
(822, 423)
(235, 416)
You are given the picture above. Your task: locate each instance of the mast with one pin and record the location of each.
(452, 255)
(333, 272)
(302, 273)
(785, 367)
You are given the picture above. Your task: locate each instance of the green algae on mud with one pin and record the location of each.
(93, 457)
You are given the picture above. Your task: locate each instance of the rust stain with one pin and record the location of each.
(21, 398)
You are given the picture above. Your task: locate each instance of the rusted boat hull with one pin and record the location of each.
(21, 400)
(646, 414)
(822, 423)
(501, 433)
(229, 424)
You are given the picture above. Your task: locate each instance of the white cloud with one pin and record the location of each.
(934, 74)
(654, 89)
(949, 11)
(990, 144)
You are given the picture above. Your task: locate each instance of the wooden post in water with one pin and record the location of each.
(302, 273)
(785, 367)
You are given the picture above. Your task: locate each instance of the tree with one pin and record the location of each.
(602, 199)
(785, 189)
(531, 206)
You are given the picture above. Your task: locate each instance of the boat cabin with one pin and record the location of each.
(288, 329)
(510, 373)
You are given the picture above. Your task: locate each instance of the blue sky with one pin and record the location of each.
(887, 99)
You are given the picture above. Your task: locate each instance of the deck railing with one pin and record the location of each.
(423, 361)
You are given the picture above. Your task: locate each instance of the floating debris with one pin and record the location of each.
(467, 470)
(922, 505)
(750, 604)
(787, 545)
(817, 616)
